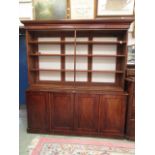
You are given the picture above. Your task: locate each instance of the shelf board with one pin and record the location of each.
(107, 55)
(105, 71)
(39, 69)
(85, 55)
(50, 42)
(98, 89)
(41, 54)
(77, 42)
(71, 70)
(100, 42)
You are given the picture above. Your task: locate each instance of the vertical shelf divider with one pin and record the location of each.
(37, 62)
(75, 57)
(116, 76)
(126, 55)
(90, 59)
(28, 47)
(62, 59)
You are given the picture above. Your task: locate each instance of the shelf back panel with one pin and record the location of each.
(100, 63)
(49, 62)
(103, 78)
(49, 76)
(81, 77)
(69, 77)
(69, 49)
(49, 49)
(104, 49)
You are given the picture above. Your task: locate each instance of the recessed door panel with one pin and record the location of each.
(112, 114)
(37, 108)
(86, 112)
(62, 111)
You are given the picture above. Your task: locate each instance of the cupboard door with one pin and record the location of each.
(86, 113)
(37, 110)
(112, 114)
(62, 111)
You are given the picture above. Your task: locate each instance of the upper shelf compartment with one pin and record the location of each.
(84, 58)
(77, 36)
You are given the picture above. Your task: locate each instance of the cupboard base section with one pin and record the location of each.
(76, 113)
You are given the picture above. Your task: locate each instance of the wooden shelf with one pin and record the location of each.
(99, 88)
(76, 48)
(104, 55)
(104, 71)
(39, 69)
(40, 54)
(71, 70)
(81, 55)
(50, 42)
(77, 42)
(100, 42)
(84, 80)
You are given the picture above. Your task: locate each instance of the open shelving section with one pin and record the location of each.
(77, 55)
(76, 72)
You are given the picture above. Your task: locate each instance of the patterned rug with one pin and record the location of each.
(60, 146)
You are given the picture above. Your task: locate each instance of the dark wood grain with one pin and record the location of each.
(112, 114)
(86, 112)
(78, 108)
(38, 111)
(130, 119)
(62, 105)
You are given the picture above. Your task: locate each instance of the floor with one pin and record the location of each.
(25, 138)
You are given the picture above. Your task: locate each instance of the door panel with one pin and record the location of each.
(37, 108)
(86, 112)
(62, 111)
(112, 114)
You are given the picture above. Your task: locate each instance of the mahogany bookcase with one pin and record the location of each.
(76, 72)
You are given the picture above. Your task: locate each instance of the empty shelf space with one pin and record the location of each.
(86, 55)
(71, 70)
(77, 42)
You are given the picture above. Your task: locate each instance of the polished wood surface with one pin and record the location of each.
(130, 119)
(130, 115)
(62, 111)
(38, 112)
(86, 112)
(77, 107)
(116, 19)
(112, 114)
(76, 113)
